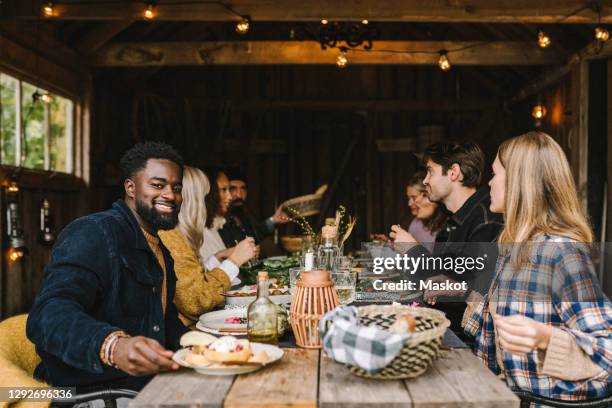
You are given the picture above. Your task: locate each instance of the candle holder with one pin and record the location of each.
(314, 296)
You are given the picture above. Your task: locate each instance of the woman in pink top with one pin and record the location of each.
(428, 216)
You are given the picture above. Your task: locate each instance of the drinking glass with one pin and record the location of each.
(294, 275)
(346, 282)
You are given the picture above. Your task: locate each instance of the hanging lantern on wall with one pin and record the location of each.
(46, 235)
(16, 241)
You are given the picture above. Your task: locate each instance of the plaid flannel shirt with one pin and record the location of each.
(557, 287)
(348, 342)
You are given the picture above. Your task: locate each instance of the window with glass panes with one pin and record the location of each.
(36, 127)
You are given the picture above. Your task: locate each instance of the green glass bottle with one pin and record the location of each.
(262, 322)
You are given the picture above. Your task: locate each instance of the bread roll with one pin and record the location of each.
(404, 324)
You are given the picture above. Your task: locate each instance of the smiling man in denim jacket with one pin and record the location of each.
(104, 316)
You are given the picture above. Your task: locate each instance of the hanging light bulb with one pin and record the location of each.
(324, 21)
(242, 27)
(13, 185)
(543, 39)
(443, 61)
(601, 34)
(16, 241)
(149, 11)
(41, 96)
(15, 254)
(539, 111)
(341, 60)
(48, 9)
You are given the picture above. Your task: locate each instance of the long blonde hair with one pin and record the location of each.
(541, 196)
(192, 217)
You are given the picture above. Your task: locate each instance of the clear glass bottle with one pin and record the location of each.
(328, 250)
(262, 322)
(308, 253)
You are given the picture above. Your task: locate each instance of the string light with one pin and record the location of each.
(324, 21)
(13, 185)
(538, 112)
(543, 39)
(341, 60)
(149, 12)
(48, 9)
(443, 61)
(41, 96)
(601, 34)
(242, 27)
(364, 21)
(15, 254)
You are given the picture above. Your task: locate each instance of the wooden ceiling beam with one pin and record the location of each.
(481, 11)
(100, 35)
(591, 51)
(310, 53)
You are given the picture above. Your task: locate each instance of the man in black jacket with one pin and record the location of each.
(240, 224)
(454, 172)
(104, 316)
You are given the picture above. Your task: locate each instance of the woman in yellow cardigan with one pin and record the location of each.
(198, 290)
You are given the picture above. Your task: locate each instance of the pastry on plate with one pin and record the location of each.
(196, 341)
(261, 357)
(227, 349)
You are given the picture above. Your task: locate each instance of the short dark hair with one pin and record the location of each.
(468, 156)
(136, 158)
(235, 173)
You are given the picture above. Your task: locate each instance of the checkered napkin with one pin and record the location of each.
(346, 341)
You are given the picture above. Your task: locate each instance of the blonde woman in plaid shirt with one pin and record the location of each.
(545, 324)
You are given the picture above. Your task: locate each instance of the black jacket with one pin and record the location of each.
(102, 277)
(470, 232)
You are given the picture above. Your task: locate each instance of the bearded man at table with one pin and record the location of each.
(104, 316)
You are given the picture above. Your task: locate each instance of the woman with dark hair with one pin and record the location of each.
(213, 251)
(428, 216)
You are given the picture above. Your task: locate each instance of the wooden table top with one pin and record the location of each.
(308, 378)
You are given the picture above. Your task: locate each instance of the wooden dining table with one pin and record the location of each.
(308, 378)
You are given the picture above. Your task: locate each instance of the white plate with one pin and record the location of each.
(213, 321)
(274, 352)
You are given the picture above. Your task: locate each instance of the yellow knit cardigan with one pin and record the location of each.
(197, 290)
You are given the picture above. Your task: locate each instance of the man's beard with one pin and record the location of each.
(237, 206)
(156, 220)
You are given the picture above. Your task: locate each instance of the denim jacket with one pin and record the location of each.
(102, 277)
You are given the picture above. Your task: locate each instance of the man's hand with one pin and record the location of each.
(142, 356)
(520, 334)
(280, 216)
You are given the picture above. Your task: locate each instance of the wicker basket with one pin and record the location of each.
(307, 205)
(292, 243)
(420, 349)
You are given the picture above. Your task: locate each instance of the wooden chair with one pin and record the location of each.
(527, 399)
